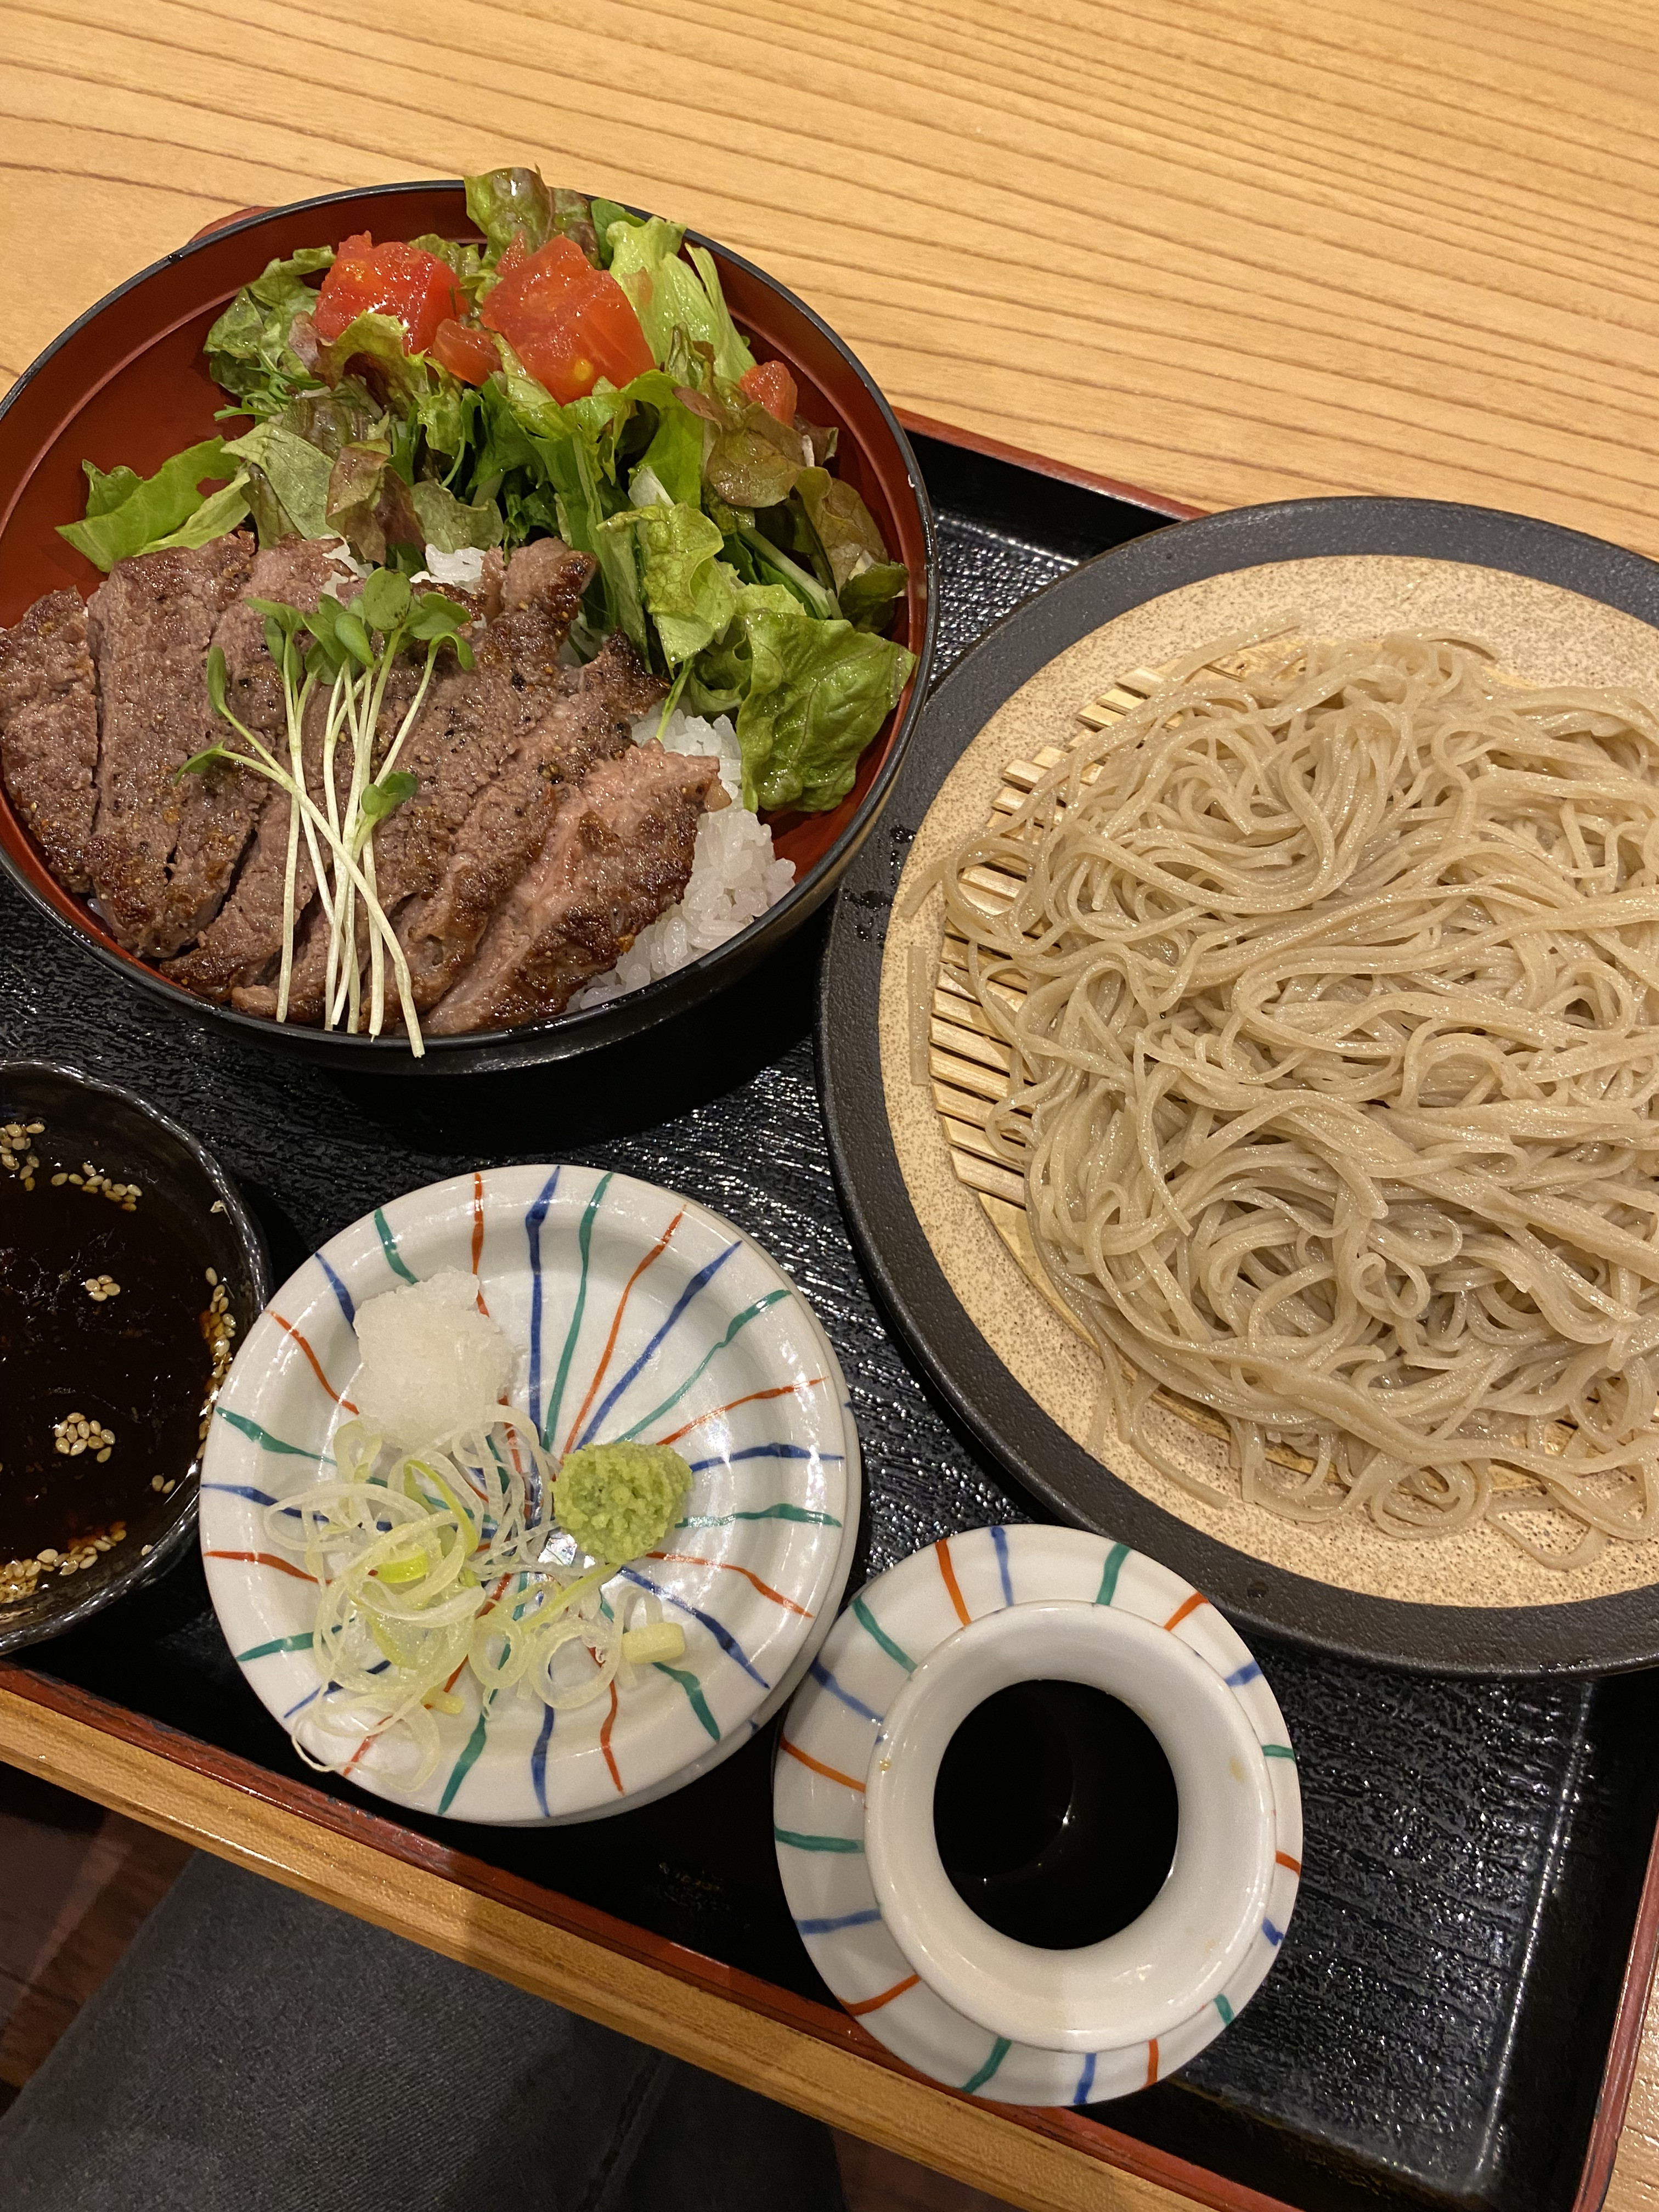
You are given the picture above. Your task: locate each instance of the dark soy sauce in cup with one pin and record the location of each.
(1055, 1813)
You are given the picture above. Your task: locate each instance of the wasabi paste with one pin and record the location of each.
(620, 1500)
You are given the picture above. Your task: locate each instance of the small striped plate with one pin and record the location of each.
(818, 1800)
(635, 1313)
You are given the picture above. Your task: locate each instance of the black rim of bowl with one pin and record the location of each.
(1577, 1635)
(144, 1568)
(567, 1034)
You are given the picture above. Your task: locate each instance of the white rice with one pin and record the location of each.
(734, 875)
(461, 571)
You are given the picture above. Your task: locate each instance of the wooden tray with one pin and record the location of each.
(669, 1924)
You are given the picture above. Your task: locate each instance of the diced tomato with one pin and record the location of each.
(569, 323)
(770, 382)
(393, 279)
(465, 350)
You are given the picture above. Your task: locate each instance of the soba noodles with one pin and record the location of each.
(1333, 995)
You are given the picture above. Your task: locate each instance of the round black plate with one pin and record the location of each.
(1591, 1635)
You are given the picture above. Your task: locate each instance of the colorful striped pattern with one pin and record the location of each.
(340, 1292)
(947, 1569)
(1110, 1572)
(267, 1442)
(830, 1773)
(733, 1331)
(698, 1283)
(579, 1392)
(887, 1633)
(731, 1567)
(875, 2004)
(867, 1621)
(394, 1258)
(312, 1360)
(820, 1672)
(265, 1560)
(999, 2051)
(837, 1922)
(999, 1541)
(761, 1513)
(585, 1249)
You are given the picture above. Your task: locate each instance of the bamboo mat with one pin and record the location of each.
(968, 1065)
(939, 1083)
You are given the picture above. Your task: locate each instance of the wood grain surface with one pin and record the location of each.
(1045, 2162)
(1634, 2186)
(1234, 250)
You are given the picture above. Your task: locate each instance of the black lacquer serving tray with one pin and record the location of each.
(1437, 2030)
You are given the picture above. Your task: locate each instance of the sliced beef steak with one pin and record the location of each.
(150, 624)
(510, 819)
(546, 570)
(245, 936)
(619, 852)
(49, 732)
(471, 722)
(223, 807)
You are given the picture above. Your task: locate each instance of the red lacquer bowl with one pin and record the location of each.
(126, 383)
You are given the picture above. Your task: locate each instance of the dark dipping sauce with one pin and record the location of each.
(140, 1363)
(1056, 1813)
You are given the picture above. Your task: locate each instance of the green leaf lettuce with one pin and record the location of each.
(690, 591)
(248, 350)
(669, 294)
(509, 204)
(127, 514)
(817, 693)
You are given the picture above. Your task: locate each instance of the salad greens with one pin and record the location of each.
(127, 514)
(738, 565)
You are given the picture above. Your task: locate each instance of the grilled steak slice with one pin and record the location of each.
(49, 731)
(619, 852)
(243, 946)
(543, 570)
(626, 681)
(483, 602)
(149, 626)
(511, 818)
(245, 936)
(472, 721)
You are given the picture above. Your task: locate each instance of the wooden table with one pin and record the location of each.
(1233, 250)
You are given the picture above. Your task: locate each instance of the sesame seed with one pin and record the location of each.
(57, 1179)
(212, 1275)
